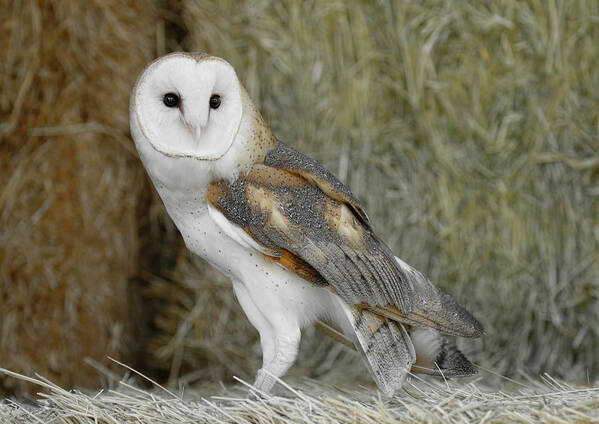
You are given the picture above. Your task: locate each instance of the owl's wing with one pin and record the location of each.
(281, 210)
(325, 239)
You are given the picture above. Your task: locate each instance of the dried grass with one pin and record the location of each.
(308, 401)
(70, 185)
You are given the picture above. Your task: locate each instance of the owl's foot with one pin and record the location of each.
(286, 348)
(263, 384)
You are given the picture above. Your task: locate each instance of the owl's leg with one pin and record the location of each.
(287, 339)
(279, 338)
(258, 320)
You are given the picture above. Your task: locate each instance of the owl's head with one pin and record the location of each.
(188, 105)
(193, 121)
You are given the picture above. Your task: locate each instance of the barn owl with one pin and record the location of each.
(295, 242)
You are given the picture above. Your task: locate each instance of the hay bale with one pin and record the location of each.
(70, 185)
(469, 132)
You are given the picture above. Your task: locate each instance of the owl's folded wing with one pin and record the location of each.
(322, 235)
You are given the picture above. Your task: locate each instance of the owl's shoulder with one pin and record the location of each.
(284, 157)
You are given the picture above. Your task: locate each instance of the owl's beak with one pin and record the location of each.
(194, 119)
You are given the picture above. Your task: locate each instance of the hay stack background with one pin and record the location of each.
(469, 132)
(70, 186)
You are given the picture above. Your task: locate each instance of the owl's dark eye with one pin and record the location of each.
(215, 101)
(170, 100)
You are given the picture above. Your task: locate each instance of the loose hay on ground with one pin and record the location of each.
(309, 401)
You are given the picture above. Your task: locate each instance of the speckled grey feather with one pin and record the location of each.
(386, 349)
(436, 309)
(291, 202)
(285, 157)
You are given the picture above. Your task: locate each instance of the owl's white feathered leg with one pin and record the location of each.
(258, 320)
(279, 338)
(286, 349)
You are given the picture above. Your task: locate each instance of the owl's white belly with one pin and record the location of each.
(274, 290)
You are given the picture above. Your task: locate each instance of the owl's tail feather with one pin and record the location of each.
(385, 347)
(390, 352)
(437, 355)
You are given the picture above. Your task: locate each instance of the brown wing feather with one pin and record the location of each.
(300, 267)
